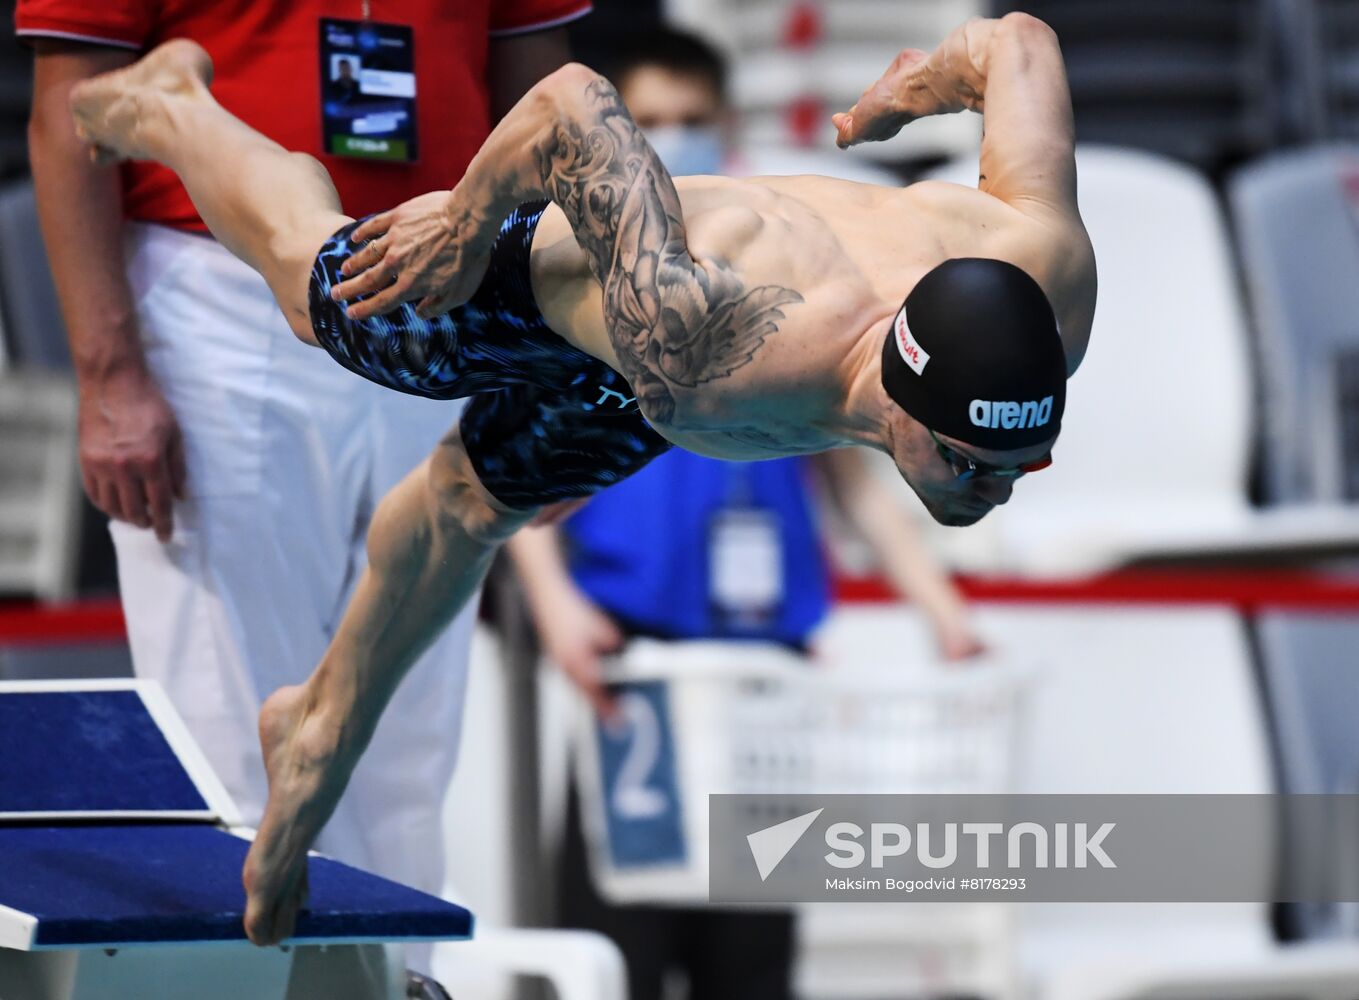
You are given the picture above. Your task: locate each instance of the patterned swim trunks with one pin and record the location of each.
(546, 421)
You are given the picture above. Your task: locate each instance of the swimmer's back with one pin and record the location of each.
(766, 234)
(851, 251)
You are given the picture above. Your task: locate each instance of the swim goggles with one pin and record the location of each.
(965, 468)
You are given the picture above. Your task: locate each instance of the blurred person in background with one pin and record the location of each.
(695, 548)
(676, 88)
(238, 474)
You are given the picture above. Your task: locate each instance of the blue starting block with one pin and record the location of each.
(120, 868)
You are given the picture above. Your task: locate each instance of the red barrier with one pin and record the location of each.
(1249, 591)
(56, 624)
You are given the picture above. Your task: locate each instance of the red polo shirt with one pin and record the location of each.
(267, 74)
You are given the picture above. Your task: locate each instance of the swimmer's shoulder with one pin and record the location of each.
(1055, 249)
(795, 212)
(959, 205)
(819, 192)
(1050, 243)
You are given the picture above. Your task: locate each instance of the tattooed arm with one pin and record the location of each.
(673, 321)
(591, 159)
(1010, 69)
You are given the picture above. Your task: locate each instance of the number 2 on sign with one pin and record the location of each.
(632, 798)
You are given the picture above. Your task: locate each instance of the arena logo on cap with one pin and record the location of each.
(911, 352)
(1010, 415)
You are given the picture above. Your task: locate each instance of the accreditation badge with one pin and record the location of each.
(745, 566)
(368, 90)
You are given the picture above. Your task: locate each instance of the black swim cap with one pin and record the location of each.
(974, 353)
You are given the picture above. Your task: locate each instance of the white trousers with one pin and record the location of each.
(287, 455)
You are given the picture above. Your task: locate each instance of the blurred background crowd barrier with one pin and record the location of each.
(1183, 579)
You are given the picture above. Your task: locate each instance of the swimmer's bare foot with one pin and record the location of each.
(111, 109)
(307, 774)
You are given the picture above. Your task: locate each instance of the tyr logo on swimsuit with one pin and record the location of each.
(623, 401)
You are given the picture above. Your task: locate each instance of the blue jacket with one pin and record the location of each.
(641, 548)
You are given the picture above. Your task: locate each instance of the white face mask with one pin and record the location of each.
(687, 149)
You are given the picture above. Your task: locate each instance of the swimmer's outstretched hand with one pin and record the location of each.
(425, 250)
(307, 774)
(899, 97)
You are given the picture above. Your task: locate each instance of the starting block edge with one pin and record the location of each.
(17, 929)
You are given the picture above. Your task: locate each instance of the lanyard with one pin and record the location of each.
(367, 7)
(740, 489)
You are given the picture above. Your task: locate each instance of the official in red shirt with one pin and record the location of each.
(473, 60)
